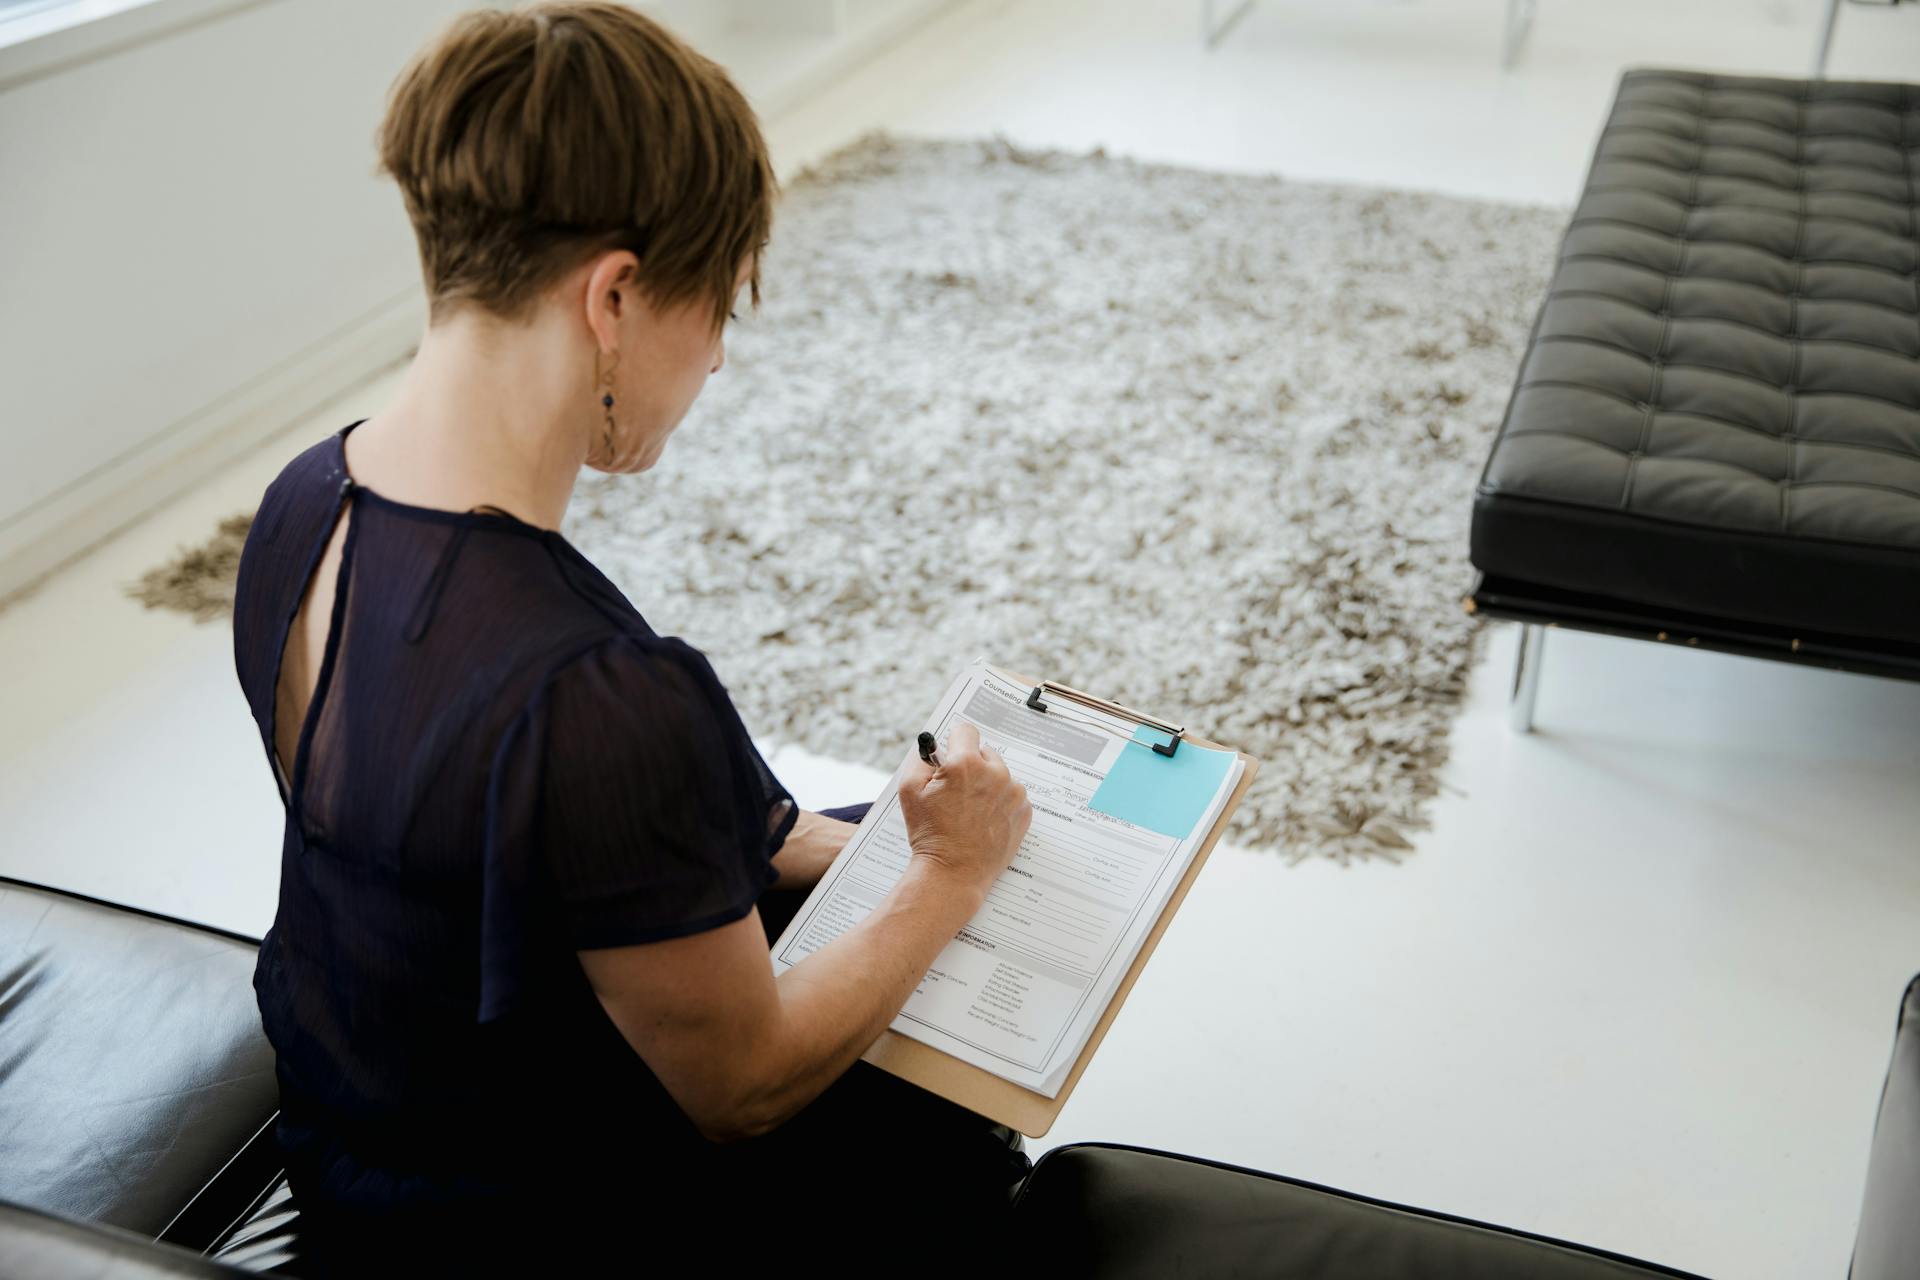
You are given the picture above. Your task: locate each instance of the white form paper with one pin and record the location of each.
(1019, 990)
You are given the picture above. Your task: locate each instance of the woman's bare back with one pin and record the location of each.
(305, 651)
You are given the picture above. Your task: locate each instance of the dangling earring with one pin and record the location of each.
(604, 379)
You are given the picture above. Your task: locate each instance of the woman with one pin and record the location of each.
(517, 984)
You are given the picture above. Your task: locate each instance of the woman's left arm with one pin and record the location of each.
(813, 843)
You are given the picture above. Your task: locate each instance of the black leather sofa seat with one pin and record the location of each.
(1719, 412)
(132, 1064)
(40, 1246)
(1110, 1212)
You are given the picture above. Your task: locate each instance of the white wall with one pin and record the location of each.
(193, 249)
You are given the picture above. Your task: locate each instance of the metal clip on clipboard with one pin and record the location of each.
(1062, 692)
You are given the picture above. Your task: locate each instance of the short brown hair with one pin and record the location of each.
(526, 141)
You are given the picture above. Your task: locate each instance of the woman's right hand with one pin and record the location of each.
(967, 816)
(741, 1051)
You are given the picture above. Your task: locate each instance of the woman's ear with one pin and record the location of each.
(611, 295)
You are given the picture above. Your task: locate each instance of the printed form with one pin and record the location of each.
(1019, 990)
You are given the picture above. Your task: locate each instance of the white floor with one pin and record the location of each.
(1636, 987)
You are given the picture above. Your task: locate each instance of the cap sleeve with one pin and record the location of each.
(627, 805)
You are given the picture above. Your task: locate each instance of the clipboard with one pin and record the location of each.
(999, 1099)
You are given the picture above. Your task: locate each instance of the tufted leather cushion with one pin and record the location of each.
(1720, 408)
(132, 1064)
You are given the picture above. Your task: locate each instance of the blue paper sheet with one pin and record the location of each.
(1168, 794)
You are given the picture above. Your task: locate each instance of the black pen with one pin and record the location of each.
(927, 744)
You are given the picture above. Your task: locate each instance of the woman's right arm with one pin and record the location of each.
(741, 1051)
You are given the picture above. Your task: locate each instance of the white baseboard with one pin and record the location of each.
(126, 488)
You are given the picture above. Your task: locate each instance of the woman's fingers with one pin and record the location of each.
(964, 740)
(995, 761)
(971, 813)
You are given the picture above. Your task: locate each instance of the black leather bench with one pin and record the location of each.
(1714, 438)
(136, 1088)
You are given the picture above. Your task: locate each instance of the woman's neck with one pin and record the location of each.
(489, 414)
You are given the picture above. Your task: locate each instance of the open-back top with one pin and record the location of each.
(501, 764)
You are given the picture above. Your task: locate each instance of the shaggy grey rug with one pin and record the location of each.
(1204, 444)
(1201, 443)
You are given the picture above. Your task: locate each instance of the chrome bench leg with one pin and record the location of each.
(1826, 40)
(1213, 28)
(1519, 22)
(1526, 677)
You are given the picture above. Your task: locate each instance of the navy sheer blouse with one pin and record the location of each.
(501, 764)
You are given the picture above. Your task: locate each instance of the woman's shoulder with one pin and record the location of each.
(295, 515)
(636, 680)
(311, 485)
(297, 509)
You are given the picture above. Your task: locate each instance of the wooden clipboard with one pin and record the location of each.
(1002, 1100)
